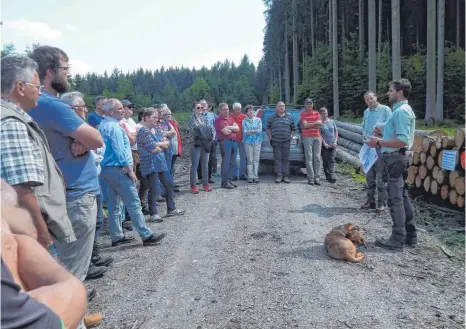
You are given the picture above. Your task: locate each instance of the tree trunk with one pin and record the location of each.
(330, 28)
(343, 34)
(430, 61)
(280, 82)
(295, 55)
(336, 99)
(346, 157)
(313, 33)
(379, 31)
(361, 30)
(440, 61)
(457, 23)
(396, 53)
(351, 136)
(349, 144)
(287, 65)
(349, 126)
(371, 45)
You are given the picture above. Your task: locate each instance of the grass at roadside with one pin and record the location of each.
(349, 170)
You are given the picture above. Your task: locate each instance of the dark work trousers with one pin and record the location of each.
(228, 151)
(143, 186)
(376, 177)
(212, 161)
(172, 166)
(328, 159)
(166, 179)
(281, 157)
(399, 203)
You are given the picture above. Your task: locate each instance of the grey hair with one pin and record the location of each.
(16, 68)
(110, 104)
(236, 105)
(166, 110)
(280, 103)
(72, 97)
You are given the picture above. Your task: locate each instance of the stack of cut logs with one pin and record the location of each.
(425, 170)
(425, 161)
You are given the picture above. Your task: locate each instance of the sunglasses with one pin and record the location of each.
(198, 108)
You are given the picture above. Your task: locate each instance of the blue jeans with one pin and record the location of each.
(166, 179)
(76, 256)
(228, 151)
(197, 154)
(241, 171)
(121, 188)
(103, 189)
(100, 214)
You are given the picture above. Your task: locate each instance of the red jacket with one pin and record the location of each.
(178, 136)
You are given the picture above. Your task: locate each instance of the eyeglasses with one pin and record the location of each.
(39, 87)
(79, 106)
(198, 108)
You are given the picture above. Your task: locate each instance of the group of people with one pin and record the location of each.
(63, 171)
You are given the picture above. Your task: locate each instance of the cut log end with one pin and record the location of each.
(459, 185)
(412, 173)
(460, 201)
(418, 182)
(452, 196)
(427, 184)
(434, 187)
(444, 192)
(459, 137)
(423, 171)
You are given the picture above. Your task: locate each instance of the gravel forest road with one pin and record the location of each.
(253, 257)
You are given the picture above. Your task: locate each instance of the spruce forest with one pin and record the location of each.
(330, 50)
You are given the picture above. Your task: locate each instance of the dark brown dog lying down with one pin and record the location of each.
(342, 241)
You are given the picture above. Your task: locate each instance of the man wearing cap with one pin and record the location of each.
(398, 137)
(310, 123)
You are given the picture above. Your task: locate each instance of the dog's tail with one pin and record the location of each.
(354, 258)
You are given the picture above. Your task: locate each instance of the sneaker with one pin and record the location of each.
(256, 180)
(279, 178)
(207, 188)
(102, 260)
(123, 240)
(153, 239)
(155, 219)
(91, 294)
(95, 272)
(194, 189)
(368, 205)
(93, 320)
(250, 180)
(286, 180)
(176, 189)
(127, 226)
(317, 182)
(310, 182)
(233, 184)
(211, 181)
(175, 212)
(227, 185)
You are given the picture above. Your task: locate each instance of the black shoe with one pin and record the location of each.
(127, 226)
(95, 272)
(250, 180)
(256, 180)
(279, 178)
(176, 189)
(102, 260)
(390, 244)
(176, 186)
(160, 199)
(286, 180)
(153, 239)
(234, 178)
(310, 182)
(317, 182)
(227, 186)
(175, 212)
(211, 181)
(125, 239)
(368, 205)
(233, 184)
(145, 210)
(411, 241)
(243, 177)
(332, 180)
(91, 294)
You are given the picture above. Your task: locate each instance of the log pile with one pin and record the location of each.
(425, 163)
(426, 171)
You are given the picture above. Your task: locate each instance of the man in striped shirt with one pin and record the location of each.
(310, 123)
(280, 130)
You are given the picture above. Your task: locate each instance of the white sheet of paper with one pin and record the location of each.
(368, 156)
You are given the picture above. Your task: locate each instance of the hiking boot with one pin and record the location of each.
(317, 182)
(207, 188)
(176, 189)
(128, 226)
(155, 219)
(279, 178)
(227, 185)
(153, 239)
(175, 212)
(102, 260)
(256, 180)
(95, 272)
(368, 205)
(286, 180)
(233, 184)
(391, 243)
(93, 320)
(194, 189)
(411, 241)
(91, 294)
(123, 240)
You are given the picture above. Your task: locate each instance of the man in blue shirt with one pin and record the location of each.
(117, 171)
(398, 137)
(95, 118)
(374, 115)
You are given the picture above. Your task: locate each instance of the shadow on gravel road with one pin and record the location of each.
(325, 211)
(315, 252)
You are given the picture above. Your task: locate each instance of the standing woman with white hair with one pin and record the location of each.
(252, 139)
(175, 141)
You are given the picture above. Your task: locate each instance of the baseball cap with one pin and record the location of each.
(308, 100)
(126, 102)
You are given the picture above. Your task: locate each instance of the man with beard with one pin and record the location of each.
(70, 139)
(398, 138)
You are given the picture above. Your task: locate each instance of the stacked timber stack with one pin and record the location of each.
(349, 144)
(429, 171)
